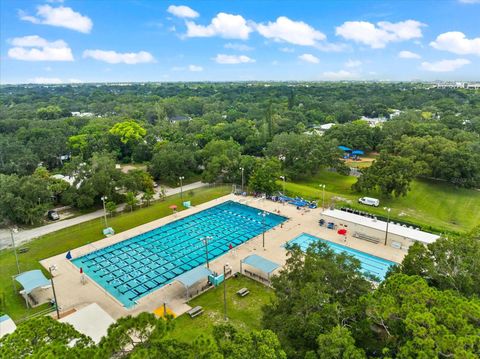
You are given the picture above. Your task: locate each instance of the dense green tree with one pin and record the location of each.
(172, 160)
(316, 291)
(128, 131)
(448, 263)
(44, 337)
(49, 113)
(356, 135)
(391, 175)
(405, 318)
(265, 176)
(221, 160)
(338, 344)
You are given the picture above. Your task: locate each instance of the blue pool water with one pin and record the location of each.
(371, 265)
(137, 266)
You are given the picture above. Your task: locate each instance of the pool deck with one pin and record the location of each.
(71, 293)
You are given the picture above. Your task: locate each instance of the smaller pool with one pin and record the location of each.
(371, 265)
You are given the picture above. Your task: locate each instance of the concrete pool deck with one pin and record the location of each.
(71, 293)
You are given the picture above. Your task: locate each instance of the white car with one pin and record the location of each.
(369, 201)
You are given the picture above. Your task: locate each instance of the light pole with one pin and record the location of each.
(242, 169)
(322, 186)
(263, 214)
(181, 178)
(283, 178)
(388, 221)
(53, 289)
(104, 198)
(205, 241)
(225, 291)
(12, 231)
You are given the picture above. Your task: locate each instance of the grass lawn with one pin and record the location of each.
(244, 313)
(61, 241)
(432, 205)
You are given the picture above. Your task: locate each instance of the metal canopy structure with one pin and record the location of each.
(188, 279)
(32, 280)
(264, 265)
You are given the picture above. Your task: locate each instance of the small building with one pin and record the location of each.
(374, 230)
(175, 119)
(7, 325)
(91, 321)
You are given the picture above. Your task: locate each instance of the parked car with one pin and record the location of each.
(369, 201)
(53, 215)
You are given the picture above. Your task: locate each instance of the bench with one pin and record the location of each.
(243, 292)
(366, 237)
(195, 311)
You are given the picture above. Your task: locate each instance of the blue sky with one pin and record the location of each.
(68, 41)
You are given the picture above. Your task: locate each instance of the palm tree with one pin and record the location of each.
(131, 200)
(148, 196)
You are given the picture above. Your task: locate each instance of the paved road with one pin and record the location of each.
(26, 235)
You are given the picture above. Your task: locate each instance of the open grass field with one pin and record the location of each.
(61, 241)
(244, 313)
(432, 205)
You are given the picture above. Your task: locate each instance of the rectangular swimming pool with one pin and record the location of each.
(370, 264)
(131, 269)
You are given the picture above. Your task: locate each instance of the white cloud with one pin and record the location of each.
(309, 58)
(36, 48)
(59, 16)
(182, 11)
(293, 32)
(195, 68)
(224, 25)
(238, 47)
(232, 59)
(469, 1)
(75, 81)
(286, 49)
(339, 75)
(353, 63)
(379, 35)
(444, 65)
(113, 57)
(456, 42)
(408, 55)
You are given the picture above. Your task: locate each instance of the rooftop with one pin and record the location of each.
(415, 234)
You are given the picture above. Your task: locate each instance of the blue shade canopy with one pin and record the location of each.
(32, 280)
(261, 263)
(193, 276)
(344, 148)
(357, 152)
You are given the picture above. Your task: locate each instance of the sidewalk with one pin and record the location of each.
(26, 235)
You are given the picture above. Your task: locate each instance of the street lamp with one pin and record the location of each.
(242, 169)
(104, 198)
(263, 214)
(12, 231)
(322, 186)
(225, 267)
(53, 267)
(181, 178)
(205, 241)
(283, 178)
(388, 221)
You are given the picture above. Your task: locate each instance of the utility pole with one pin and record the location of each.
(205, 241)
(263, 214)
(283, 178)
(12, 231)
(225, 291)
(242, 169)
(181, 178)
(322, 186)
(104, 198)
(388, 222)
(54, 293)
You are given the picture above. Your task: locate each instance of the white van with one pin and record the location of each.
(369, 201)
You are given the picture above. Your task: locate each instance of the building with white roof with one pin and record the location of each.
(374, 230)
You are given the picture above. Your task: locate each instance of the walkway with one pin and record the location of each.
(26, 235)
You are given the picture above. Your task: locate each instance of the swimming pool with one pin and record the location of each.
(370, 264)
(139, 265)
